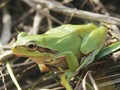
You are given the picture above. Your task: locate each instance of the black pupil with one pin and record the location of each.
(31, 46)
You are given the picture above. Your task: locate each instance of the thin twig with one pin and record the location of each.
(6, 27)
(33, 5)
(6, 55)
(3, 79)
(110, 82)
(22, 18)
(37, 20)
(93, 81)
(58, 7)
(84, 82)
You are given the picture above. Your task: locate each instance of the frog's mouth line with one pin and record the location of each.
(46, 50)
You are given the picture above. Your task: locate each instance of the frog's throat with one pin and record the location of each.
(39, 60)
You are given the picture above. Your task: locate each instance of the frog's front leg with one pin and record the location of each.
(72, 63)
(43, 67)
(72, 60)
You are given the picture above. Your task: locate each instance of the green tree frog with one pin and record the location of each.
(76, 44)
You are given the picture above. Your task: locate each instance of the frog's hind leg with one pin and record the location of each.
(73, 64)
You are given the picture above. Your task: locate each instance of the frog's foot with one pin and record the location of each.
(43, 68)
(65, 77)
(65, 83)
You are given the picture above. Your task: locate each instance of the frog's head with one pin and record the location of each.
(26, 45)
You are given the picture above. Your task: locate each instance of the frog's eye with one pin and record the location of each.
(31, 46)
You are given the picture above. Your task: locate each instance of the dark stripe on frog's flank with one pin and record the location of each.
(46, 50)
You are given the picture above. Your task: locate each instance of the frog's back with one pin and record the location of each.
(66, 37)
(63, 38)
(62, 30)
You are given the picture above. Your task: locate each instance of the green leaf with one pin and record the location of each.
(107, 50)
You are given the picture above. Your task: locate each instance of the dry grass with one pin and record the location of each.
(38, 16)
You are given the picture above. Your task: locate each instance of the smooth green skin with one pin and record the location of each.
(71, 41)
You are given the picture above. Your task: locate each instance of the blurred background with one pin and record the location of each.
(34, 17)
